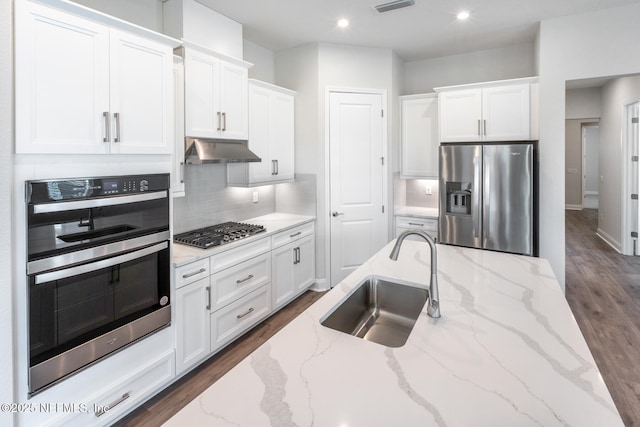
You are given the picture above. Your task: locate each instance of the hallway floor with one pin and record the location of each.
(603, 290)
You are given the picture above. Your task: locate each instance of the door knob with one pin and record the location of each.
(337, 213)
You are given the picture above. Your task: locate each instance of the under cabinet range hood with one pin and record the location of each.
(209, 150)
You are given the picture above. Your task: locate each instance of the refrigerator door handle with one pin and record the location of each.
(477, 197)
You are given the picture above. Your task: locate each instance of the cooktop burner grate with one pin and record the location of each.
(219, 234)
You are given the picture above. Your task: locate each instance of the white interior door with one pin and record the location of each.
(590, 166)
(358, 220)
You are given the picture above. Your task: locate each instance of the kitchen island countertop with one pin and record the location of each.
(507, 351)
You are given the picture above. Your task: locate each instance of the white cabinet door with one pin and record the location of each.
(506, 113)
(293, 267)
(193, 324)
(233, 101)
(216, 103)
(271, 137)
(141, 95)
(259, 134)
(62, 82)
(202, 98)
(419, 136)
(461, 115)
(282, 263)
(282, 146)
(304, 270)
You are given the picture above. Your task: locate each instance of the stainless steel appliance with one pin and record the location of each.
(98, 269)
(216, 235)
(488, 196)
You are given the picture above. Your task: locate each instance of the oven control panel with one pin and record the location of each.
(86, 188)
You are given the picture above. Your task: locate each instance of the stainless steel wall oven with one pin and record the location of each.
(98, 269)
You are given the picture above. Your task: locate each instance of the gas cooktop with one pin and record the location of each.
(216, 235)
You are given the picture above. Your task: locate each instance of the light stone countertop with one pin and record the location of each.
(416, 211)
(507, 351)
(273, 223)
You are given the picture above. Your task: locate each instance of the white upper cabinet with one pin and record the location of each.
(84, 87)
(419, 136)
(271, 137)
(497, 111)
(216, 103)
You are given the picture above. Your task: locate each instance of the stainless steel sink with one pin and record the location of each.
(378, 310)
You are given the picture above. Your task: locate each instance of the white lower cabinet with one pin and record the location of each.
(231, 321)
(429, 225)
(293, 262)
(192, 324)
(220, 297)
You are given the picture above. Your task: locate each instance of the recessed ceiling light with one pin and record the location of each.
(343, 23)
(463, 15)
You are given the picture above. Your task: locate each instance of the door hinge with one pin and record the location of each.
(634, 120)
(382, 160)
(634, 158)
(634, 197)
(381, 113)
(382, 208)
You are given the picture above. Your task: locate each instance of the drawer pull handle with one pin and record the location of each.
(187, 275)
(208, 298)
(295, 234)
(416, 223)
(240, 316)
(249, 277)
(103, 409)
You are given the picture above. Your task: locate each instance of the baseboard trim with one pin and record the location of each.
(609, 240)
(573, 207)
(320, 285)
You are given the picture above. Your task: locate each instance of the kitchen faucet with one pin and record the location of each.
(433, 308)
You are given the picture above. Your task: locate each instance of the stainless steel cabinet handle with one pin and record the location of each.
(277, 167)
(249, 277)
(219, 121)
(107, 127)
(240, 316)
(187, 275)
(224, 122)
(479, 128)
(181, 172)
(484, 127)
(296, 255)
(116, 117)
(273, 167)
(295, 234)
(416, 224)
(335, 214)
(103, 409)
(208, 297)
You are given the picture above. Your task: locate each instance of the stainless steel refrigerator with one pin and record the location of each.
(488, 196)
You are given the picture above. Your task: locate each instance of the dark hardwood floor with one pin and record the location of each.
(602, 287)
(603, 290)
(161, 407)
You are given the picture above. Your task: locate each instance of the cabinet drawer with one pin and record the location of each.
(429, 224)
(237, 281)
(232, 320)
(125, 396)
(291, 234)
(192, 272)
(237, 255)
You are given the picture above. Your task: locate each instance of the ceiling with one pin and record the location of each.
(426, 30)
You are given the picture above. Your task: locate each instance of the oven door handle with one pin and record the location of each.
(98, 265)
(98, 203)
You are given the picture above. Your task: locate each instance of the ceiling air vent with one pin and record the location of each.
(393, 5)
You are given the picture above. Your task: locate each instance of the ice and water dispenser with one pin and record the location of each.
(458, 198)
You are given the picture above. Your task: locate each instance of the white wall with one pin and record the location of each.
(263, 60)
(480, 66)
(146, 13)
(583, 103)
(6, 230)
(574, 47)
